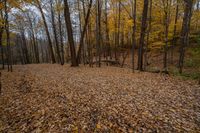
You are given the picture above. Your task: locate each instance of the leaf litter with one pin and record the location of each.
(53, 98)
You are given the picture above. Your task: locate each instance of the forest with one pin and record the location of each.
(99, 66)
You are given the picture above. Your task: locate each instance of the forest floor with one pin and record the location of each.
(54, 98)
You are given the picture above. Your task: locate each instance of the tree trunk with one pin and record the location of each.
(55, 32)
(61, 35)
(142, 35)
(35, 47)
(134, 10)
(24, 47)
(108, 48)
(84, 31)
(98, 32)
(148, 34)
(47, 32)
(166, 23)
(70, 34)
(185, 31)
(174, 40)
(118, 25)
(9, 54)
(1, 46)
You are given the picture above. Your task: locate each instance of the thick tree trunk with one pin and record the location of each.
(70, 34)
(142, 35)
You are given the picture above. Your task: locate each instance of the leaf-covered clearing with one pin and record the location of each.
(52, 98)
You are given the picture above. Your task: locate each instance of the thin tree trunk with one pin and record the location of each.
(98, 32)
(174, 40)
(118, 27)
(20, 50)
(2, 51)
(108, 49)
(84, 31)
(80, 28)
(148, 34)
(9, 55)
(55, 32)
(47, 32)
(134, 10)
(25, 49)
(166, 23)
(2, 54)
(1, 45)
(61, 35)
(35, 48)
(185, 32)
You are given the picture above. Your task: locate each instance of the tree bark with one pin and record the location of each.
(24, 47)
(98, 32)
(134, 10)
(142, 35)
(166, 24)
(35, 47)
(174, 40)
(61, 35)
(84, 31)
(55, 32)
(108, 47)
(47, 32)
(2, 51)
(70, 34)
(9, 54)
(185, 32)
(148, 36)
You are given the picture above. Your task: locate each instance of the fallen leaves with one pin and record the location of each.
(52, 98)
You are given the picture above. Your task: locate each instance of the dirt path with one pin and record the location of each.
(52, 98)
